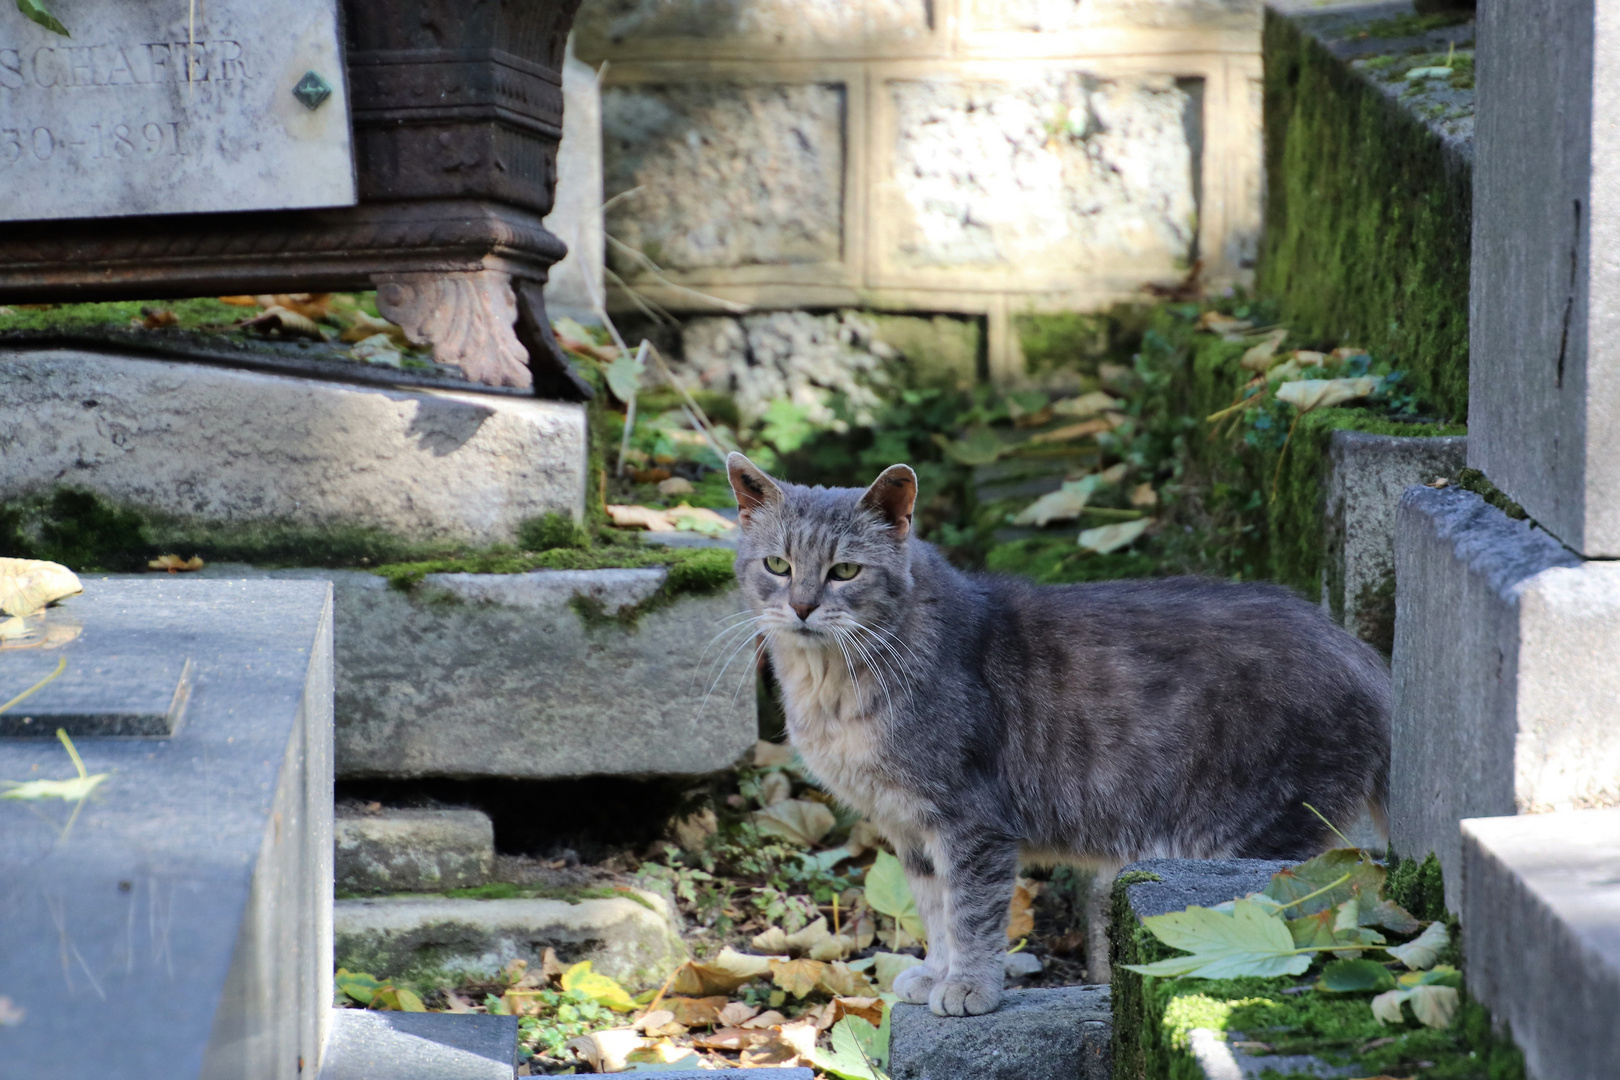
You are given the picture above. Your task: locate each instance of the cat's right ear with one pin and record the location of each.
(751, 486)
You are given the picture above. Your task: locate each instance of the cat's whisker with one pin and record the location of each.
(740, 646)
(891, 636)
(867, 660)
(759, 650)
(745, 628)
(898, 665)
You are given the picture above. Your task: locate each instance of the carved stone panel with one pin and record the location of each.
(728, 175)
(142, 112)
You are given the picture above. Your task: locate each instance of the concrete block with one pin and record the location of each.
(413, 850)
(1544, 325)
(574, 285)
(978, 179)
(500, 675)
(1046, 16)
(230, 445)
(420, 1046)
(603, 24)
(633, 938)
(1184, 882)
(731, 175)
(1366, 475)
(1059, 1033)
(1541, 931)
(1504, 673)
(192, 895)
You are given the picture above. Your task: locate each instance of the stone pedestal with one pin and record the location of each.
(456, 123)
(1541, 931)
(190, 899)
(1544, 375)
(1505, 681)
(242, 448)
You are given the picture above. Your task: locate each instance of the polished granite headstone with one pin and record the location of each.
(177, 924)
(144, 111)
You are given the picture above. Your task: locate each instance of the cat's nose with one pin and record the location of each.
(804, 610)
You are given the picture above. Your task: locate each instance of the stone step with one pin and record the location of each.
(243, 447)
(409, 851)
(366, 1045)
(1157, 887)
(634, 938)
(1055, 1033)
(1541, 931)
(504, 675)
(190, 894)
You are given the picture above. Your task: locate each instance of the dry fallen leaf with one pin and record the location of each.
(1143, 496)
(28, 585)
(768, 1019)
(722, 974)
(773, 939)
(676, 485)
(1260, 357)
(799, 821)
(1308, 394)
(279, 320)
(175, 564)
(1109, 538)
(733, 1038)
(608, 1050)
(1218, 323)
(869, 1009)
(699, 519)
(840, 980)
(363, 326)
(154, 317)
(801, 1035)
(797, 977)
(309, 305)
(1021, 920)
(768, 755)
(802, 941)
(696, 1012)
(778, 1053)
(1086, 405)
(737, 1013)
(1069, 432)
(775, 787)
(239, 301)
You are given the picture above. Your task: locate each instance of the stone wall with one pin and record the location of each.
(957, 156)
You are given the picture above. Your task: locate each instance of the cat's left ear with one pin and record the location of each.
(892, 496)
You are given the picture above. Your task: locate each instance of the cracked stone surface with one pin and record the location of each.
(1061, 170)
(728, 175)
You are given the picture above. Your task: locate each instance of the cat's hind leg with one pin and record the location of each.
(979, 872)
(928, 891)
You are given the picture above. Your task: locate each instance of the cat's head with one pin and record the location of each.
(814, 560)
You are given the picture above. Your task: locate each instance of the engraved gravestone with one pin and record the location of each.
(145, 111)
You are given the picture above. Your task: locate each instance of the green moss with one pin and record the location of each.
(1367, 218)
(551, 531)
(203, 313)
(1476, 481)
(1412, 25)
(87, 532)
(1152, 1017)
(1294, 515)
(1067, 341)
(506, 890)
(941, 350)
(691, 569)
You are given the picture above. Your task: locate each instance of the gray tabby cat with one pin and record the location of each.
(978, 720)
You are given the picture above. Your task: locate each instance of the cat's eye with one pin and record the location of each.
(844, 571)
(778, 565)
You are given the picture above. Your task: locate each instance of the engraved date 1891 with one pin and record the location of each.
(114, 141)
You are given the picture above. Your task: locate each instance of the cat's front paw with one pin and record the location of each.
(961, 997)
(915, 984)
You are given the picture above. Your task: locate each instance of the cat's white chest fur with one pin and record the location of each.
(832, 727)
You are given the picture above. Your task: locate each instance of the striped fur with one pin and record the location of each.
(980, 720)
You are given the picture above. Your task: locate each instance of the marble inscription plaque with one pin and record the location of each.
(140, 113)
